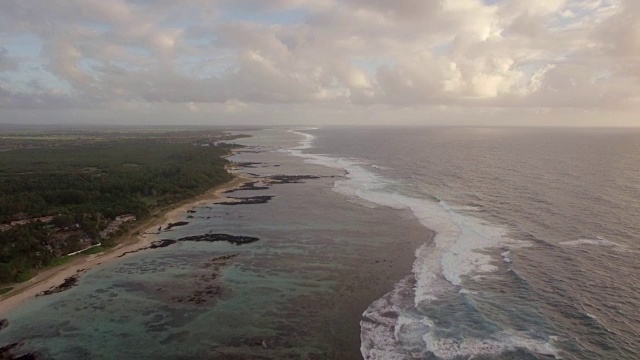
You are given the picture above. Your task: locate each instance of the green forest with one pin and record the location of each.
(86, 185)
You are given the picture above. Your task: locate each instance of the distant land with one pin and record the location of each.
(67, 192)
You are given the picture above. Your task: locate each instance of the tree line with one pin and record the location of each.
(85, 186)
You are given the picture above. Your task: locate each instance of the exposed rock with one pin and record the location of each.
(161, 243)
(247, 200)
(6, 353)
(216, 260)
(293, 179)
(251, 165)
(176, 224)
(247, 187)
(67, 284)
(154, 245)
(233, 239)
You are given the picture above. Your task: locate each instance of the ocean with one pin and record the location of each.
(538, 237)
(381, 243)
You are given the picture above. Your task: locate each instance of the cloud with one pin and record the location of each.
(6, 62)
(349, 54)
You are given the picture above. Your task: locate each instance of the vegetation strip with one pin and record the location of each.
(61, 198)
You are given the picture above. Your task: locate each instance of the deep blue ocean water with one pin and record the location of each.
(537, 246)
(535, 256)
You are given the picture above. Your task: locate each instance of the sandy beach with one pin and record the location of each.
(138, 237)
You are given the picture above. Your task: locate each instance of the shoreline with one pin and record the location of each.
(136, 238)
(337, 331)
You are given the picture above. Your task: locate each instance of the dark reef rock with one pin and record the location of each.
(208, 286)
(176, 224)
(3, 323)
(215, 262)
(154, 245)
(161, 243)
(249, 165)
(247, 187)
(67, 284)
(293, 179)
(247, 200)
(6, 353)
(233, 239)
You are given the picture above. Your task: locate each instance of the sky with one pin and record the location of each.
(375, 62)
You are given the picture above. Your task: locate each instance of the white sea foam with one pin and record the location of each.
(466, 291)
(378, 167)
(598, 241)
(466, 208)
(391, 330)
(506, 256)
(306, 143)
(470, 347)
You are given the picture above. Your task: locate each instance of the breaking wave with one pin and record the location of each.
(398, 325)
(598, 241)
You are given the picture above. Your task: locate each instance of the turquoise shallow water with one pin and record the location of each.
(299, 291)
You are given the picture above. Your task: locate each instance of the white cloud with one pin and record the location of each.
(351, 55)
(7, 63)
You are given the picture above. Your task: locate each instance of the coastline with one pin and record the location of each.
(134, 239)
(334, 270)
